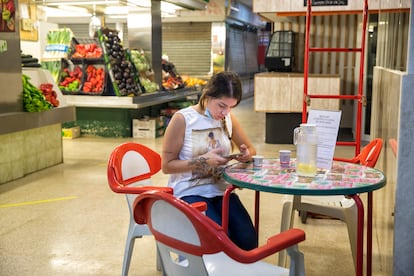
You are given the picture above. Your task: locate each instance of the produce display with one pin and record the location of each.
(120, 69)
(92, 61)
(148, 85)
(194, 82)
(57, 48)
(70, 80)
(86, 48)
(33, 98)
(139, 60)
(54, 67)
(58, 43)
(95, 79)
(49, 93)
(141, 65)
(171, 80)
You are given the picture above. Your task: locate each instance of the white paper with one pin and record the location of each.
(327, 126)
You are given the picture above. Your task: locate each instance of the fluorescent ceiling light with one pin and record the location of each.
(189, 4)
(73, 9)
(75, 2)
(116, 10)
(54, 12)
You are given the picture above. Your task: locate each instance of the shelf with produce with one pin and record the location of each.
(51, 114)
(119, 68)
(71, 77)
(57, 48)
(143, 71)
(137, 102)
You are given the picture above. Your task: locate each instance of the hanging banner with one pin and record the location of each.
(326, 3)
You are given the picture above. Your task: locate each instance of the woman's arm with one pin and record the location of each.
(241, 140)
(173, 142)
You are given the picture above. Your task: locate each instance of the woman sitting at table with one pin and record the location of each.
(195, 166)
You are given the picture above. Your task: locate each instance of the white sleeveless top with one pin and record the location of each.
(202, 134)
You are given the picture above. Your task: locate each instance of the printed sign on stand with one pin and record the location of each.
(327, 126)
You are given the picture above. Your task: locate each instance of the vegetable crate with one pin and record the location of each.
(86, 49)
(58, 43)
(71, 77)
(85, 78)
(119, 68)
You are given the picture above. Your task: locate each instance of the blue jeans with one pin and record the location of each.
(241, 229)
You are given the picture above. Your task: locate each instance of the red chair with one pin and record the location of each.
(338, 207)
(368, 155)
(190, 243)
(129, 172)
(394, 146)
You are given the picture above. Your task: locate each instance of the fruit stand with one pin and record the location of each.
(110, 85)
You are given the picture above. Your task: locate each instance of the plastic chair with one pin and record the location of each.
(129, 170)
(394, 145)
(339, 207)
(190, 243)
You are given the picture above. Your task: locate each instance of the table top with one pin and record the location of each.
(342, 179)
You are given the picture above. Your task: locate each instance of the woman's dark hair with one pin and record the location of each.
(223, 84)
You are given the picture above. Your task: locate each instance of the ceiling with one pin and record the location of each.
(102, 7)
(65, 11)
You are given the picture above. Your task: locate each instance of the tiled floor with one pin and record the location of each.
(66, 221)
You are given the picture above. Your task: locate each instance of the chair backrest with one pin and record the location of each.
(368, 156)
(370, 153)
(130, 164)
(184, 235)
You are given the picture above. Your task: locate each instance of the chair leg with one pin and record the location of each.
(297, 261)
(351, 220)
(286, 223)
(159, 261)
(129, 247)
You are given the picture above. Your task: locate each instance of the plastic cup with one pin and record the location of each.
(284, 157)
(257, 161)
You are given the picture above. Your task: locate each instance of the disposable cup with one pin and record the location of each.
(284, 157)
(257, 161)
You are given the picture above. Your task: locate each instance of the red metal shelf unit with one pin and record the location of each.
(356, 97)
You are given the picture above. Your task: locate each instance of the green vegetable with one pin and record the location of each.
(33, 98)
(54, 67)
(60, 36)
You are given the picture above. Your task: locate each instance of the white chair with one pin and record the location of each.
(129, 170)
(191, 244)
(338, 207)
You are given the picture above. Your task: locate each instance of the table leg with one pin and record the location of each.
(360, 236)
(225, 208)
(257, 213)
(369, 235)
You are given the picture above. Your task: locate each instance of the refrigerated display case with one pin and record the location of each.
(280, 52)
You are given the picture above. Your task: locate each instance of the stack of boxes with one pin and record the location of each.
(148, 127)
(155, 127)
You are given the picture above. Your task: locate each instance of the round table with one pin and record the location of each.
(342, 179)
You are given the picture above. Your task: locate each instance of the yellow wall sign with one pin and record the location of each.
(28, 19)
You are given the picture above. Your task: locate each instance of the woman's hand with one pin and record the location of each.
(213, 158)
(245, 157)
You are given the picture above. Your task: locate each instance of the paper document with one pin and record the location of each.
(327, 126)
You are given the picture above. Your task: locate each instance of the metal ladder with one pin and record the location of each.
(357, 96)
